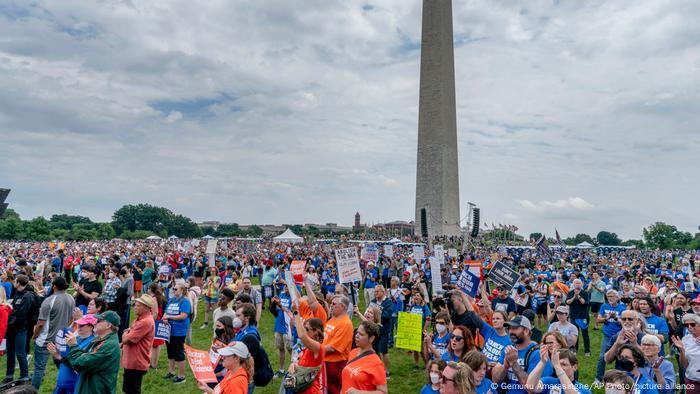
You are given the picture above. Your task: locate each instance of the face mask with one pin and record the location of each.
(219, 332)
(624, 364)
(440, 328)
(237, 323)
(434, 378)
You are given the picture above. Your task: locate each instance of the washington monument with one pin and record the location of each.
(437, 177)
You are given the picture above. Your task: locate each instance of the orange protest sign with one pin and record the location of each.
(200, 364)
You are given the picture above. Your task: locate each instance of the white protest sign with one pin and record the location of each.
(452, 252)
(435, 274)
(389, 250)
(348, 265)
(370, 252)
(439, 251)
(418, 252)
(211, 246)
(289, 279)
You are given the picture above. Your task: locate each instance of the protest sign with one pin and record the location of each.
(468, 282)
(452, 252)
(435, 263)
(501, 274)
(200, 364)
(418, 252)
(370, 252)
(162, 331)
(475, 267)
(409, 331)
(348, 265)
(439, 251)
(213, 355)
(212, 260)
(297, 267)
(389, 250)
(291, 285)
(211, 246)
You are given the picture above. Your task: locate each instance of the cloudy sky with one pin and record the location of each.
(576, 115)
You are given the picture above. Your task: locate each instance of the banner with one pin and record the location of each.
(370, 252)
(418, 253)
(348, 265)
(409, 331)
(211, 246)
(501, 274)
(389, 250)
(476, 267)
(469, 283)
(297, 268)
(162, 331)
(214, 357)
(439, 251)
(452, 252)
(200, 364)
(435, 263)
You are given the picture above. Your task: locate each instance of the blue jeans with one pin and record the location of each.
(40, 357)
(17, 348)
(605, 345)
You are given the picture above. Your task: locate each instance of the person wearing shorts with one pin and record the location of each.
(212, 286)
(177, 314)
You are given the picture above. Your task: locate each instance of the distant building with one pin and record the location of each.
(213, 224)
(357, 225)
(400, 227)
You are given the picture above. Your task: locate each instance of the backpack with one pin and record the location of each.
(263, 370)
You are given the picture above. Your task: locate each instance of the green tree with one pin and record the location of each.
(638, 243)
(11, 228)
(607, 238)
(578, 239)
(9, 214)
(37, 229)
(660, 235)
(254, 231)
(695, 243)
(141, 217)
(229, 230)
(83, 232)
(105, 231)
(67, 221)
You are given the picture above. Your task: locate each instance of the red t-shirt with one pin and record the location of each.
(364, 374)
(307, 360)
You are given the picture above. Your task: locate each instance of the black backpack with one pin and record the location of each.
(263, 370)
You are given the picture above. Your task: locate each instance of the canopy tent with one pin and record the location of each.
(172, 237)
(153, 238)
(207, 237)
(394, 241)
(584, 245)
(288, 236)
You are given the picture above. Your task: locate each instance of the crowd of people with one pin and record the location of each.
(72, 303)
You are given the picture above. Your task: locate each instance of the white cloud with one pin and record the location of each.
(576, 203)
(173, 116)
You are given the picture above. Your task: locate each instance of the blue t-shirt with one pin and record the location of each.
(178, 328)
(493, 343)
(67, 377)
(611, 326)
(422, 310)
(441, 343)
(511, 381)
(371, 278)
(657, 325)
(280, 322)
(447, 357)
(485, 387)
(8, 289)
(428, 389)
(553, 386)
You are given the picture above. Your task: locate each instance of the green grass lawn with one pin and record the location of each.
(404, 378)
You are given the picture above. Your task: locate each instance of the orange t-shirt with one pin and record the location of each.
(307, 360)
(233, 383)
(307, 313)
(364, 374)
(338, 335)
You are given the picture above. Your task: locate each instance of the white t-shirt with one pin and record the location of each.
(692, 353)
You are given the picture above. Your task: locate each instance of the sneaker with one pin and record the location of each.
(203, 326)
(179, 379)
(8, 379)
(279, 374)
(587, 354)
(597, 383)
(168, 376)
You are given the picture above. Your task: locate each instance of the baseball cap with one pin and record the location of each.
(237, 349)
(109, 316)
(696, 299)
(87, 319)
(563, 309)
(519, 321)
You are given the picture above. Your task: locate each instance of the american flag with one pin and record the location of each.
(542, 246)
(558, 237)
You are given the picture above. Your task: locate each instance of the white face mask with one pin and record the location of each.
(440, 328)
(434, 378)
(237, 323)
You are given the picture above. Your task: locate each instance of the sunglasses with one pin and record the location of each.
(444, 378)
(457, 337)
(556, 296)
(691, 325)
(627, 318)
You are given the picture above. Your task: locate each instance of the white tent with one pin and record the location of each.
(288, 236)
(153, 238)
(394, 241)
(172, 237)
(207, 237)
(584, 245)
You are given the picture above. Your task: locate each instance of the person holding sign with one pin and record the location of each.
(338, 341)
(237, 361)
(311, 335)
(177, 314)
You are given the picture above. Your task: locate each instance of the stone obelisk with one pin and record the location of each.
(437, 177)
